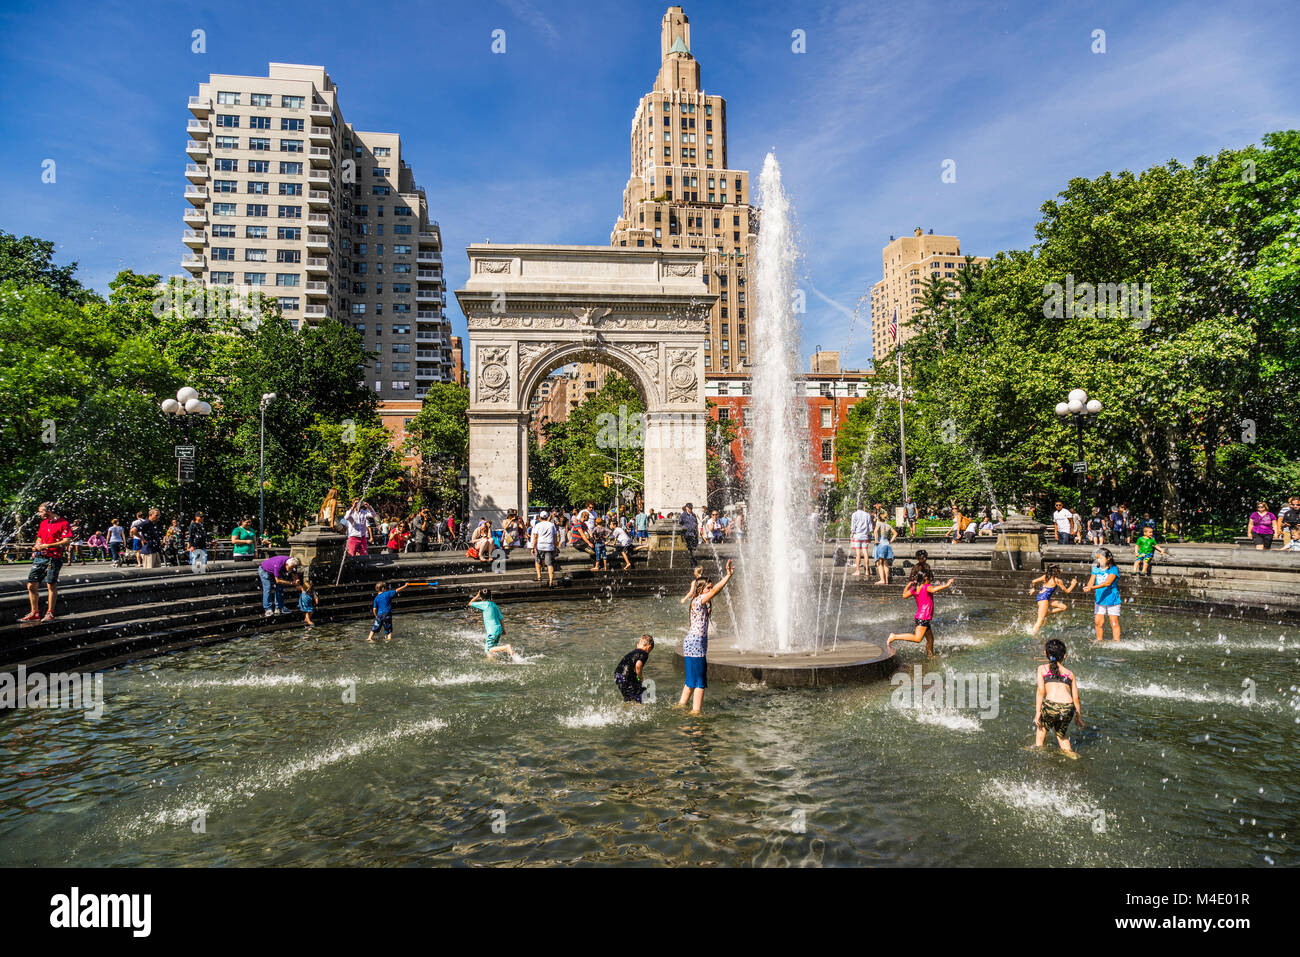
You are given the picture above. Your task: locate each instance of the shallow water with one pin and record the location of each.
(247, 752)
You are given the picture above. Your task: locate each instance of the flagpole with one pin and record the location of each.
(902, 434)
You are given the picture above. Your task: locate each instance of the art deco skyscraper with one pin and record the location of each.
(682, 195)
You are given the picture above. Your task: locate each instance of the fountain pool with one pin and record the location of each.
(445, 758)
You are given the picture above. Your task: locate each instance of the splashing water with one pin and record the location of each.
(779, 545)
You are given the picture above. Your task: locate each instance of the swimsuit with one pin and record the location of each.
(1057, 715)
(1046, 592)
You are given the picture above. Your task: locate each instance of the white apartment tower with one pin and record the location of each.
(288, 198)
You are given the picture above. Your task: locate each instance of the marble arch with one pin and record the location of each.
(532, 309)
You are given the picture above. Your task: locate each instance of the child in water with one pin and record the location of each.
(627, 676)
(921, 587)
(1104, 581)
(306, 600)
(1043, 588)
(1056, 702)
(493, 627)
(383, 609)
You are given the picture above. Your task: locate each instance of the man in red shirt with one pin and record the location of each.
(47, 558)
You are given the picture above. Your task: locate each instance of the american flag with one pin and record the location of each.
(893, 326)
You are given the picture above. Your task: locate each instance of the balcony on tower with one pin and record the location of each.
(322, 157)
(200, 106)
(198, 129)
(196, 173)
(195, 238)
(198, 195)
(198, 151)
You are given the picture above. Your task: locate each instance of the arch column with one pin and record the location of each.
(675, 463)
(498, 455)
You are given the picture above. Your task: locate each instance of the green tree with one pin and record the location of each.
(28, 261)
(439, 434)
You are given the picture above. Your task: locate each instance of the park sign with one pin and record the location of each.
(185, 452)
(1080, 468)
(185, 469)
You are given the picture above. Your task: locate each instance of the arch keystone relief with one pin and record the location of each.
(640, 311)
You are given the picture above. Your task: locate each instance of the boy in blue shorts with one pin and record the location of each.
(492, 626)
(383, 609)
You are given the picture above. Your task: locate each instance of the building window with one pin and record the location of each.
(260, 99)
(288, 232)
(826, 418)
(828, 450)
(291, 102)
(256, 209)
(227, 99)
(293, 126)
(259, 122)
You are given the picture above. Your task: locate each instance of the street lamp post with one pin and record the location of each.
(267, 399)
(1083, 411)
(186, 403)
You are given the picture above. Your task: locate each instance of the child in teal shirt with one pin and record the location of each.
(492, 625)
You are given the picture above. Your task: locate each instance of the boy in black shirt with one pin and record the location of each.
(627, 676)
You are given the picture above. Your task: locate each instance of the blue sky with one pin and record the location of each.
(532, 145)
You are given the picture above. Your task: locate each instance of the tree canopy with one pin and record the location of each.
(1170, 295)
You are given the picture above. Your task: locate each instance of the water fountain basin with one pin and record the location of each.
(848, 662)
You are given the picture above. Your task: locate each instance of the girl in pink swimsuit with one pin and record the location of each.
(921, 587)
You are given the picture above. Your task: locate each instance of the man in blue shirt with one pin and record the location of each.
(493, 627)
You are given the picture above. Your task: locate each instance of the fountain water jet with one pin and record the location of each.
(781, 608)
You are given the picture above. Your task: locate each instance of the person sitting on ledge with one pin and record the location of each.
(481, 543)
